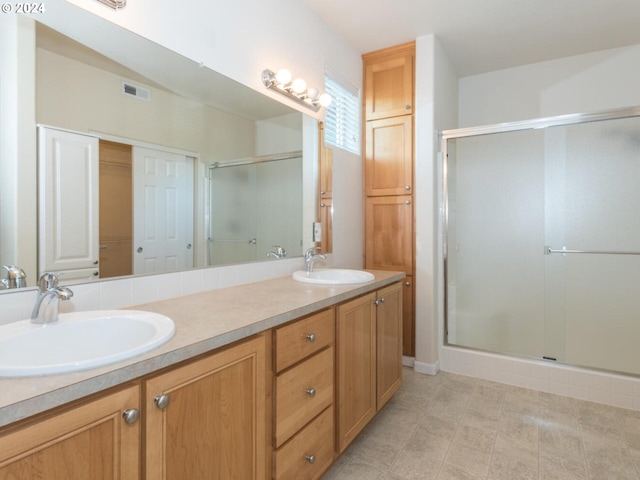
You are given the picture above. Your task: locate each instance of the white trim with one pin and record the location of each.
(581, 383)
(408, 361)
(139, 143)
(427, 368)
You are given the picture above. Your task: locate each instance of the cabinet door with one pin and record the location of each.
(88, 441)
(214, 425)
(389, 157)
(326, 172)
(389, 233)
(389, 86)
(326, 219)
(356, 367)
(388, 342)
(409, 322)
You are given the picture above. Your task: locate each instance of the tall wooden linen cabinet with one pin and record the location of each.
(388, 112)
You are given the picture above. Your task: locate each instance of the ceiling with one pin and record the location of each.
(481, 36)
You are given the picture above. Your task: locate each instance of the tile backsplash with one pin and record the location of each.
(125, 292)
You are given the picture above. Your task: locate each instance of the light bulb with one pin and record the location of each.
(313, 93)
(298, 85)
(283, 76)
(325, 100)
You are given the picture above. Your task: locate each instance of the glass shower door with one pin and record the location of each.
(593, 214)
(543, 242)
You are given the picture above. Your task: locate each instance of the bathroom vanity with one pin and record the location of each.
(266, 380)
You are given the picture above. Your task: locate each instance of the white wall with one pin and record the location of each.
(240, 38)
(18, 235)
(583, 83)
(436, 102)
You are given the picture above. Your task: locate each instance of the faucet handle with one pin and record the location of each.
(16, 278)
(309, 252)
(48, 280)
(280, 251)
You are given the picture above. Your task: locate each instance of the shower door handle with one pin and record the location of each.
(548, 251)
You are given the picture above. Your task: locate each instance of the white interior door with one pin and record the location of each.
(163, 211)
(68, 183)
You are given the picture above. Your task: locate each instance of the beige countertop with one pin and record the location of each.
(204, 322)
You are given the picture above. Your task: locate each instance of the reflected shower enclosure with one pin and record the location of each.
(255, 206)
(542, 239)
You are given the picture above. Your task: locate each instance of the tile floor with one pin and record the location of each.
(451, 427)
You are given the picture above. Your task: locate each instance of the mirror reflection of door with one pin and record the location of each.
(116, 209)
(146, 210)
(163, 211)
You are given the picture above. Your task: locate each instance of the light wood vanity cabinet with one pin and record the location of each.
(303, 397)
(369, 358)
(89, 440)
(206, 419)
(229, 414)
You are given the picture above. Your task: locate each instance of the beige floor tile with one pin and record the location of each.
(412, 466)
(450, 427)
(360, 471)
(560, 440)
(505, 467)
(560, 466)
(452, 472)
(472, 460)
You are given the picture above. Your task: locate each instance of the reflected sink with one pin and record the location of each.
(333, 276)
(79, 341)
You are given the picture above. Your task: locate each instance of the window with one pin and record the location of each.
(342, 117)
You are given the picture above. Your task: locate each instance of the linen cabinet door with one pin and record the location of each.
(389, 233)
(206, 420)
(389, 85)
(388, 162)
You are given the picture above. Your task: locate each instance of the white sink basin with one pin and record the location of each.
(79, 340)
(333, 276)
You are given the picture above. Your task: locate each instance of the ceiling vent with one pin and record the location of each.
(135, 91)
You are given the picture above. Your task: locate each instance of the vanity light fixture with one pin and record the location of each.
(115, 4)
(296, 90)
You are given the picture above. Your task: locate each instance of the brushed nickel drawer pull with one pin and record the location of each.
(311, 392)
(131, 415)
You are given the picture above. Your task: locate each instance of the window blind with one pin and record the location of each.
(342, 117)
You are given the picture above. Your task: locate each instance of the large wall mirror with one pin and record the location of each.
(241, 166)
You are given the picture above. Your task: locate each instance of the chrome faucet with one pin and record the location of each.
(310, 258)
(16, 278)
(48, 289)
(278, 253)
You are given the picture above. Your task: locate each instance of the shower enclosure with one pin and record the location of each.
(542, 239)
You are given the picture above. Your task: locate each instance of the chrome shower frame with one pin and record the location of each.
(539, 123)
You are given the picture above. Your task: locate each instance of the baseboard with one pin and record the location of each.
(407, 361)
(426, 368)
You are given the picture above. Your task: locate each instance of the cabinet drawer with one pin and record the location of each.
(300, 339)
(296, 404)
(293, 460)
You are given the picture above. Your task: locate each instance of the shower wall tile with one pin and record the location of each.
(600, 387)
